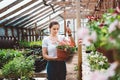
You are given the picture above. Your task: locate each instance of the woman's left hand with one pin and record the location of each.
(68, 30)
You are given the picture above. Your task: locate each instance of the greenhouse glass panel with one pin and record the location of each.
(9, 32)
(51, 16)
(5, 3)
(2, 31)
(39, 18)
(24, 9)
(15, 32)
(14, 7)
(30, 16)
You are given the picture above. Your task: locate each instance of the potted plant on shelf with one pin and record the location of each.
(107, 40)
(97, 61)
(104, 32)
(109, 37)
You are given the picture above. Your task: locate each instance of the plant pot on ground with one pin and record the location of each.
(40, 64)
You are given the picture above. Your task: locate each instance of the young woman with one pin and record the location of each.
(56, 68)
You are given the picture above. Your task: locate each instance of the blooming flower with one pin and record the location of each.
(86, 37)
(83, 32)
(107, 37)
(104, 75)
(101, 62)
(94, 36)
(112, 26)
(67, 45)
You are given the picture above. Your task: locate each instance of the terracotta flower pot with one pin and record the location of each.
(116, 55)
(107, 53)
(62, 54)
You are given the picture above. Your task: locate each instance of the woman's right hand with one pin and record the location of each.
(59, 59)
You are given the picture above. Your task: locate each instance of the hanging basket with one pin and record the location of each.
(107, 53)
(62, 54)
(116, 55)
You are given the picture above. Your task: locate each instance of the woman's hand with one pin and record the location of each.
(59, 59)
(68, 30)
(80, 41)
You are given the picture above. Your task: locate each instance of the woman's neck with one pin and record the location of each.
(54, 38)
(53, 35)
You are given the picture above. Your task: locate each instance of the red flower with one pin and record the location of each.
(117, 10)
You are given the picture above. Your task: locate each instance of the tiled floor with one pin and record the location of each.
(41, 78)
(71, 73)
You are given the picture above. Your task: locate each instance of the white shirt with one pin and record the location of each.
(51, 48)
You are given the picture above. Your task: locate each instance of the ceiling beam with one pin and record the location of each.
(32, 17)
(22, 13)
(23, 17)
(43, 18)
(32, 21)
(46, 25)
(1, 0)
(10, 5)
(18, 9)
(46, 21)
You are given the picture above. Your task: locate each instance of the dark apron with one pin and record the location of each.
(56, 70)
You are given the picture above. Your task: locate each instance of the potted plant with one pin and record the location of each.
(107, 40)
(103, 32)
(97, 61)
(65, 49)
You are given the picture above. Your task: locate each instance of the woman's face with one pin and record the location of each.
(54, 29)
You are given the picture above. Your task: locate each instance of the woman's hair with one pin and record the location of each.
(53, 23)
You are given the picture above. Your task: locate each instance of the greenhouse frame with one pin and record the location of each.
(25, 23)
